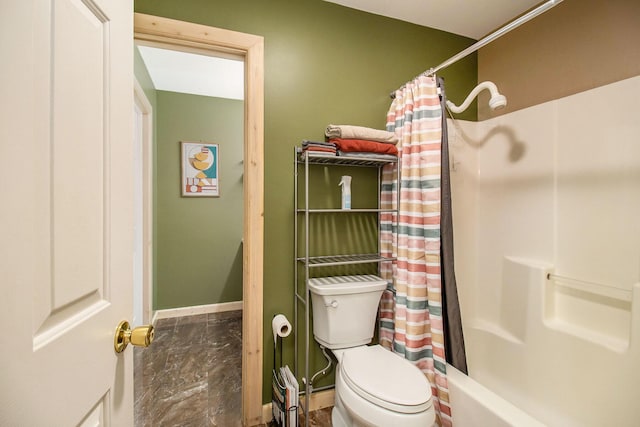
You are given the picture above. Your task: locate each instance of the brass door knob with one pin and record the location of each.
(141, 336)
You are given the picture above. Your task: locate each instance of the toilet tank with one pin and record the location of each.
(345, 308)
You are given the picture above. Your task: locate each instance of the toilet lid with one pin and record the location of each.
(386, 379)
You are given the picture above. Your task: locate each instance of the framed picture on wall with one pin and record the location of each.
(199, 169)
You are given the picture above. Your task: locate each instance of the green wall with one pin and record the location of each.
(324, 64)
(199, 239)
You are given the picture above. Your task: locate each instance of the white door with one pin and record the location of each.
(65, 211)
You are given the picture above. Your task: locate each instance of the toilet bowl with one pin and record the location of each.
(375, 387)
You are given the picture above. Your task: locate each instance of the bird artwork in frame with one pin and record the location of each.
(200, 169)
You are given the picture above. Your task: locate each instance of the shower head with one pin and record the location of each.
(496, 102)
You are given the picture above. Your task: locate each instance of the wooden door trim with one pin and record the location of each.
(251, 48)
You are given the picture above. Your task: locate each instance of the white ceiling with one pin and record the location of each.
(470, 18)
(194, 74)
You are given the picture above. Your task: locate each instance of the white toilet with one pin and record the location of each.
(374, 387)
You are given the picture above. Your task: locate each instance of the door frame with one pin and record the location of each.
(250, 47)
(141, 100)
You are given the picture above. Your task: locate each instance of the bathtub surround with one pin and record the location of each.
(550, 306)
(555, 183)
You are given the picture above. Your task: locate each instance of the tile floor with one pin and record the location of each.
(191, 374)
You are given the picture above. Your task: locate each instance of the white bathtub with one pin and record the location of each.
(473, 405)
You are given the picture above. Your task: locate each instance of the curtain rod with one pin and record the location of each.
(488, 39)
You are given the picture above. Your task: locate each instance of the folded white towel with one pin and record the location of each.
(360, 132)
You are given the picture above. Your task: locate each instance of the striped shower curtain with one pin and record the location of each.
(411, 322)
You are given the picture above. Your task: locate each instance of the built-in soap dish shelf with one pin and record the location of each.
(598, 289)
(589, 310)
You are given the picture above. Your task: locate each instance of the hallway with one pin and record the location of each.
(191, 375)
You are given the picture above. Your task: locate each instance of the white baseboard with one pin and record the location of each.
(196, 309)
(319, 400)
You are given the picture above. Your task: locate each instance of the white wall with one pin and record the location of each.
(553, 188)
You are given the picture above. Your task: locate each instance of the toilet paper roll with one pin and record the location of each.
(281, 327)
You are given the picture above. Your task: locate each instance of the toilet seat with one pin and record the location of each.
(385, 379)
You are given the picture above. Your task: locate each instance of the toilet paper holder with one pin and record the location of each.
(281, 327)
